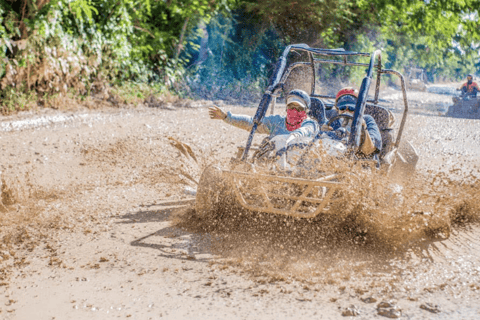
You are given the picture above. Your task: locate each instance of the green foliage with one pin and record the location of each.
(81, 8)
(440, 36)
(17, 101)
(304, 20)
(225, 48)
(237, 60)
(80, 43)
(133, 92)
(8, 30)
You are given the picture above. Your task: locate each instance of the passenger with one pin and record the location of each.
(295, 124)
(345, 103)
(469, 88)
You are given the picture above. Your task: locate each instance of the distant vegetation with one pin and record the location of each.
(213, 48)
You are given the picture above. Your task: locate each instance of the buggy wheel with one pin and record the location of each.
(210, 192)
(405, 163)
(442, 232)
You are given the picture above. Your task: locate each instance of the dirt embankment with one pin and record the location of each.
(96, 224)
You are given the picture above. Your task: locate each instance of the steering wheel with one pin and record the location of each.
(341, 132)
(347, 117)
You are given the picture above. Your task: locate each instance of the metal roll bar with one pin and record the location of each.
(281, 74)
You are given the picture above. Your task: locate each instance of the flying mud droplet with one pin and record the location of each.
(369, 300)
(433, 308)
(389, 313)
(389, 309)
(351, 311)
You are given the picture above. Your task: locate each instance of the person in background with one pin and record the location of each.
(469, 88)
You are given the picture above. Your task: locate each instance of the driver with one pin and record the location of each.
(469, 88)
(345, 102)
(295, 124)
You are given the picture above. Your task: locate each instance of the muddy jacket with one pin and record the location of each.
(471, 88)
(273, 125)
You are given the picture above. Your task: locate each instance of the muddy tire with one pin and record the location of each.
(210, 192)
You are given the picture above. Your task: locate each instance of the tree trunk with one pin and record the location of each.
(180, 41)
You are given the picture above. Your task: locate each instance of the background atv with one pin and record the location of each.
(245, 186)
(466, 107)
(416, 79)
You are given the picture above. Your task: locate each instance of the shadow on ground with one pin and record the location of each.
(172, 241)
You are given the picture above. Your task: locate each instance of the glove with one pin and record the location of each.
(280, 142)
(290, 139)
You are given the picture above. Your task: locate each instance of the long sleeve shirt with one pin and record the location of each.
(471, 88)
(273, 125)
(372, 129)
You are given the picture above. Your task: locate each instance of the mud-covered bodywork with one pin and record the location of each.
(464, 107)
(269, 179)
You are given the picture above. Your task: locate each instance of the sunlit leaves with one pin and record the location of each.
(145, 39)
(83, 7)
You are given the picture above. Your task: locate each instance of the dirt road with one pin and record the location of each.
(90, 230)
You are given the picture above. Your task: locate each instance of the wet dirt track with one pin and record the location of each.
(92, 234)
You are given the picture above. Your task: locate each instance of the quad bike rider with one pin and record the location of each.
(467, 105)
(469, 89)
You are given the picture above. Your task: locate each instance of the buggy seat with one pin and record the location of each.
(385, 120)
(317, 110)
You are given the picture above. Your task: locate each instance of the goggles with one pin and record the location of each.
(298, 103)
(344, 107)
(295, 106)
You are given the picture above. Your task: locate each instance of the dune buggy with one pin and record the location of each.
(286, 191)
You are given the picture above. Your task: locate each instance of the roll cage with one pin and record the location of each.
(317, 56)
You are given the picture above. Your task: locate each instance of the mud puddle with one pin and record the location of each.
(100, 237)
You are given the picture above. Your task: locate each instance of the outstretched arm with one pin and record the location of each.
(237, 120)
(309, 128)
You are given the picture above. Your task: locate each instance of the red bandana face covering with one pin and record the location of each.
(294, 119)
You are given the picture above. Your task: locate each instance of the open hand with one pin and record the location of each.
(216, 113)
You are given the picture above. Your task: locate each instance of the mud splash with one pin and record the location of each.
(379, 237)
(371, 207)
(24, 222)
